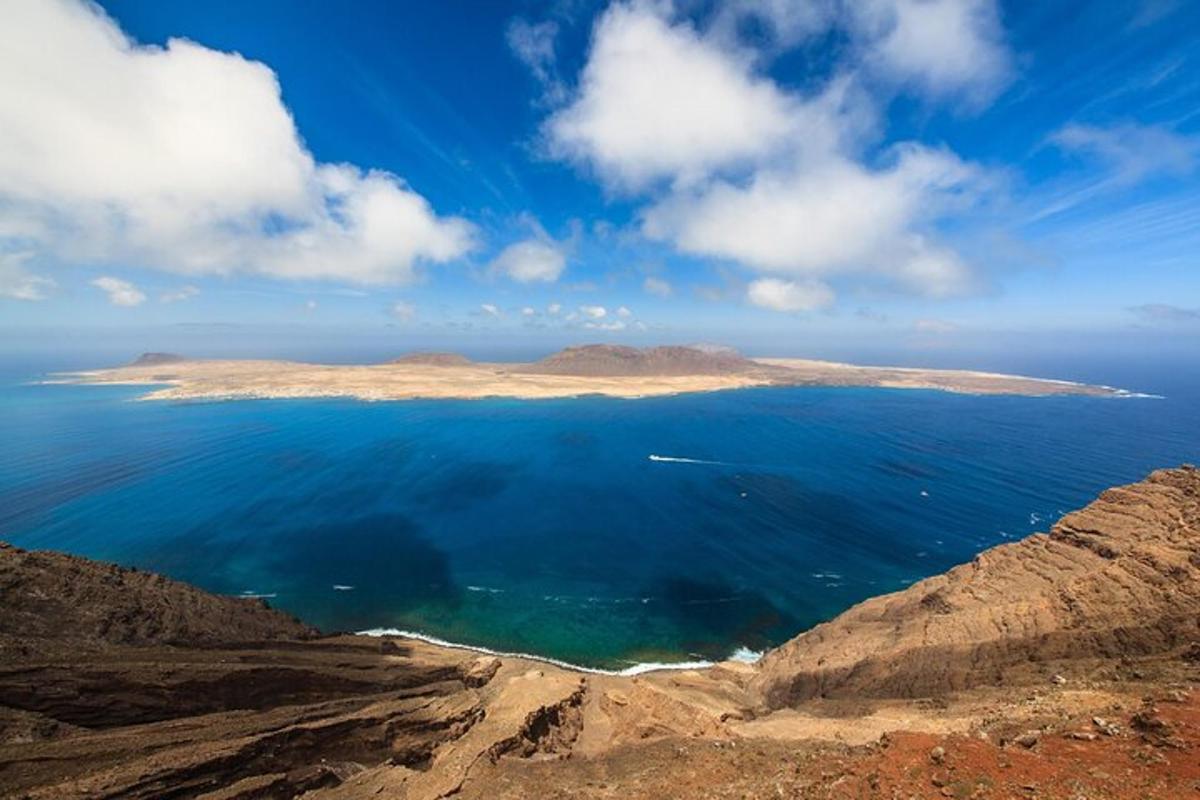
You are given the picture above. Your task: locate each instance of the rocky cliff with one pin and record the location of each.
(1061, 665)
(1119, 578)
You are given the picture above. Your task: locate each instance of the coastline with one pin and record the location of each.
(740, 655)
(1041, 662)
(184, 379)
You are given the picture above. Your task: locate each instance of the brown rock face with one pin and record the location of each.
(120, 684)
(55, 596)
(156, 359)
(610, 360)
(1119, 578)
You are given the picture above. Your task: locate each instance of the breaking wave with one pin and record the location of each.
(742, 654)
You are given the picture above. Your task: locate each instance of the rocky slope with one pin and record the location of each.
(1058, 666)
(156, 359)
(1119, 578)
(611, 360)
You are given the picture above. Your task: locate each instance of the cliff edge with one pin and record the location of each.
(1062, 665)
(1117, 579)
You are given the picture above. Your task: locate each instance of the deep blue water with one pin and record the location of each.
(543, 526)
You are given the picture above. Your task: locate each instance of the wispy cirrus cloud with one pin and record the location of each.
(1165, 312)
(179, 295)
(1131, 151)
(18, 283)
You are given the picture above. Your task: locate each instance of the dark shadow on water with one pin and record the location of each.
(905, 469)
(465, 483)
(382, 563)
(711, 613)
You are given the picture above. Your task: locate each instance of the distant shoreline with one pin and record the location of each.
(594, 370)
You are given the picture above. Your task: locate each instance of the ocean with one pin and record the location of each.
(599, 532)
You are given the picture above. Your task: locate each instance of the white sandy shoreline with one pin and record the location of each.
(740, 655)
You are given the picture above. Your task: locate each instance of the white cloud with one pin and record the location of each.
(403, 311)
(491, 310)
(533, 44)
(18, 283)
(624, 312)
(611, 325)
(531, 260)
(310, 305)
(942, 47)
(781, 295)
(120, 293)
(528, 311)
(733, 166)
(656, 101)
(185, 159)
(1132, 151)
(594, 312)
(182, 293)
(554, 309)
(938, 48)
(828, 219)
(657, 286)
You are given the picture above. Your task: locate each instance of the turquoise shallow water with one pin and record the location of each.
(544, 527)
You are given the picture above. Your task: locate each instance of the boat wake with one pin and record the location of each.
(680, 460)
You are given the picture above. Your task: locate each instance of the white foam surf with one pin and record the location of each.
(742, 654)
(745, 655)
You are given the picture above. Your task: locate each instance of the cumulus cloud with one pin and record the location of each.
(733, 166)
(657, 287)
(185, 158)
(611, 325)
(491, 310)
(594, 312)
(18, 283)
(781, 295)
(554, 309)
(834, 218)
(532, 260)
(182, 293)
(938, 48)
(655, 101)
(624, 313)
(120, 293)
(943, 47)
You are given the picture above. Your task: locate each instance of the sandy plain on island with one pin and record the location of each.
(183, 379)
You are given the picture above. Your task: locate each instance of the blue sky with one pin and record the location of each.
(817, 177)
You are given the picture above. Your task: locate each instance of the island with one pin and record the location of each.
(1060, 665)
(606, 370)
